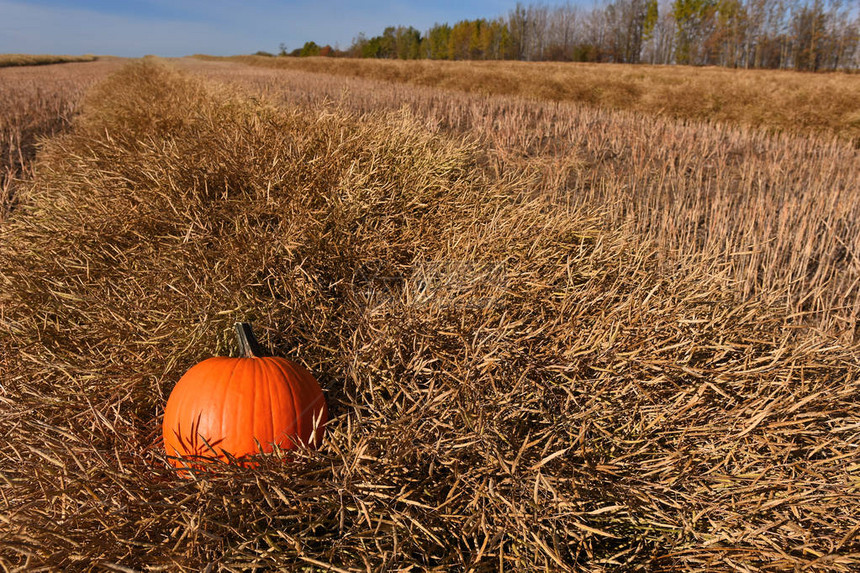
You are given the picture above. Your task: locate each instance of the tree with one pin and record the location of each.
(803, 34)
(562, 32)
(651, 17)
(383, 46)
(660, 42)
(694, 21)
(435, 44)
(490, 35)
(519, 33)
(310, 49)
(460, 41)
(729, 36)
(407, 43)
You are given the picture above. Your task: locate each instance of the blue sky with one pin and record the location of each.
(220, 27)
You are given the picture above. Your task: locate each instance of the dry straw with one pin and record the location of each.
(37, 103)
(10, 60)
(778, 212)
(774, 100)
(512, 385)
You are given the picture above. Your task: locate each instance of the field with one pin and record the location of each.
(37, 104)
(772, 100)
(7, 60)
(552, 336)
(713, 192)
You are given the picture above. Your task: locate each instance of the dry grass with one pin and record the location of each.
(9, 60)
(773, 100)
(37, 103)
(513, 384)
(778, 212)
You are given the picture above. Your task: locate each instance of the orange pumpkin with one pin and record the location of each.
(242, 406)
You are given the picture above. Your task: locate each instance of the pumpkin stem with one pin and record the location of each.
(248, 345)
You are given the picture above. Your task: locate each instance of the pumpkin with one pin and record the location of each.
(231, 408)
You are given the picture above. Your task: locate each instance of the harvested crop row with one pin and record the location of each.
(10, 60)
(778, 211)
(509, 384)
(773, 100)
(35, 104)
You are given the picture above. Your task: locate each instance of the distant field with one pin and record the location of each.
(552, 337)
(772, 100)
(8, 60)
(36, 103)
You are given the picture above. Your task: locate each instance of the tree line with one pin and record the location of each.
(786, 34)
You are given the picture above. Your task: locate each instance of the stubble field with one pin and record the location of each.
(551, 336)
(37, 102)
(770, 100)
